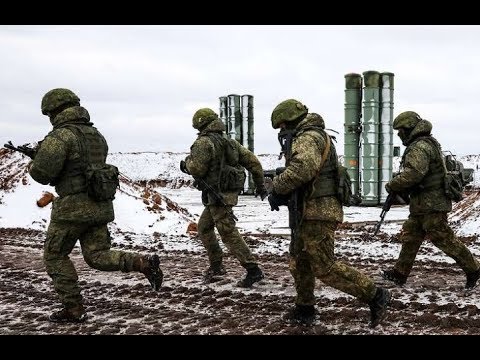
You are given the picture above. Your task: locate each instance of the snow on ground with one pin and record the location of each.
(152, 215)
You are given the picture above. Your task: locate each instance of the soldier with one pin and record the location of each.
(217, 164)
(60, 161)
(310, 177)
(422, 175)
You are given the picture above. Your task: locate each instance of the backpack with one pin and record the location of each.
(456, 178)
(232, 175)
(344, 182)
(101, 179)
(344, 192)
(455, 181)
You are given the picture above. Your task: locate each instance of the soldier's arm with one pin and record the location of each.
(416, 166)
(200, 155)
(304, 164)
(250, 162)
(50, 157)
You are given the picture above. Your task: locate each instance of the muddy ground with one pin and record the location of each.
(432, 302)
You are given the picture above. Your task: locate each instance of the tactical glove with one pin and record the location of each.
(388, 188)
(183, 167)
(261, 191)
(277, 200)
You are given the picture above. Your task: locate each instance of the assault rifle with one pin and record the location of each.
(272, 173)
(386, 207)
(24, 149)
(285, 138)
(211, 190)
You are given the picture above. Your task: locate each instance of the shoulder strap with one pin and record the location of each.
(326, 151)
(320, 131)
(81, 142)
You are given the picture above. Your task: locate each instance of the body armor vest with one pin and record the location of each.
(435, 177)
(326, 181)
(93, 150)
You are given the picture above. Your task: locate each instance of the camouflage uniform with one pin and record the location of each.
(421, 176)
(204, 162)
(312, 253)
(75, 215)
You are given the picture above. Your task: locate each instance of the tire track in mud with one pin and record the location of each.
(432, 301)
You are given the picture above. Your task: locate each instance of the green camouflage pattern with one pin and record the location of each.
(57, 149)
(95, 242)
(307, 149)
(217, 216)
(74, 216)
(202, 117)
(56, 98)
(435, 227)
(288, 110)
(418, 161)
(201, 162)
(406, 120)
(313, 251)
(315, 259)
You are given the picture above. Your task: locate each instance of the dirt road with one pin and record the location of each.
(432, 302)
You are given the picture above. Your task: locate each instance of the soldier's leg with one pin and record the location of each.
(236, 245)
(411, 237)
(231, 237)
(442, 236)
(304, 310)
(318, 239)
(206, 233)
(96, 245)
(304, 279)
(61, 238)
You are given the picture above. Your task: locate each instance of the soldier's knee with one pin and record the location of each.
(93, 259)
(51, 257)
(226, 228)
(440, 239)
(50, 266)
(204, 228)
(322, 270)
(410, 239)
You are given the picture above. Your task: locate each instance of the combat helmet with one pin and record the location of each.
(203, 117)
(57, 98)
(406, 120)
(288, 110)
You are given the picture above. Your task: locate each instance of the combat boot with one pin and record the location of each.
(301, 315)
(378, 306)
(150, 267)
(253, 275)
(74, 314)
(395, 276)
(472, 279)
(213, 273)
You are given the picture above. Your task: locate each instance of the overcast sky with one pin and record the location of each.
(142, 84)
